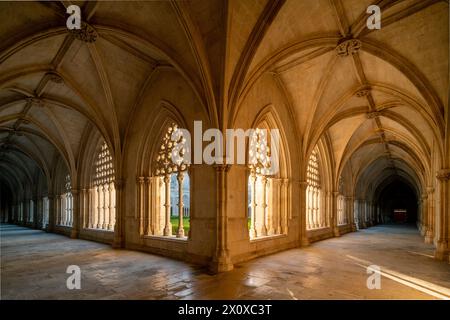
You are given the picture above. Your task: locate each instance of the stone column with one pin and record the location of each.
(442, 244)
(334, 214)
(98, 190)
(424, 214)
(91, 208)
(180, 231)
(141, 204)
(303, 214)
(118, 232)
(51, 213)
(351, 212)
(75, 214)
(168, 224)
(278, 183)
(253, 205)
(35, 213)
(109, 226)
(429, 234)
(150, 200)
(104, 206)
(264, 205)
(83, 209)
(221, 260)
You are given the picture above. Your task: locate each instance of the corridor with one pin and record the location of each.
(33, 266)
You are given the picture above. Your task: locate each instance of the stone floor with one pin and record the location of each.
(33, 266)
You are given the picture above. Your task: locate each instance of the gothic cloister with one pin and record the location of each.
(87, 118)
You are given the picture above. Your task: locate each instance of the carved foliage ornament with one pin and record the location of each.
(347, 47)
(373, 114)
(54, 77)
(443, 175)
(86, 33)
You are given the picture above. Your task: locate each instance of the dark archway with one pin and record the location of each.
(398, 203)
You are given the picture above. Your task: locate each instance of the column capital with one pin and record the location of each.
(222, 167)
(119, 183)
(430, 190)
(140, 179)
(443, 174)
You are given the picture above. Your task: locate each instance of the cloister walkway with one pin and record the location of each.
(33, 266)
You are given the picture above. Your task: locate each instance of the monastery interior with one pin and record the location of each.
(363, 117)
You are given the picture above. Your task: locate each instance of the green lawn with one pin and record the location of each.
(186, 226)
(174, 222)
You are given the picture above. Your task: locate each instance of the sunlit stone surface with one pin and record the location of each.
(34, 264)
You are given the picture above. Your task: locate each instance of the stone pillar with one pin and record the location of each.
(351, 212)
(264, 205)
(35, 213)
(83, 209)
(75, 214)
(303, 212)
(141, 204)
(253, 205)
(168, 224)
(424, 214)
(180, 231)
(148, 230)
(51, 212)
(429, 234)
(118, 232)
(221, 260)
(442, 232)
(334, 214)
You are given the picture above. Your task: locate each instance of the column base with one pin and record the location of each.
(168, 231)
(429, 237)
(354, 228)
(304, 242)
(180, 234)
(221, 263)
(336, 232)
(423, 230)
(442, 251)
(117, 243)
(74, 234)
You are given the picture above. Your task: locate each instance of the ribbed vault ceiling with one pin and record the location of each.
(385, 102)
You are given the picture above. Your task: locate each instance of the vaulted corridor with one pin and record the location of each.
(290, 143)
(34, 266)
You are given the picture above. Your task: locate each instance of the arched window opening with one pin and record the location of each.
(65, 212)
(173, 184)
(263, 219)
(102, 213)
(315, 215)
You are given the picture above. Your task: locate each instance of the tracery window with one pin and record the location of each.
(65, 212)
(263, 220)
(314, 213)
(102, 213)
(173, 185)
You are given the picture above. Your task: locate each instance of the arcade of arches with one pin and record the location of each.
(363, 118)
